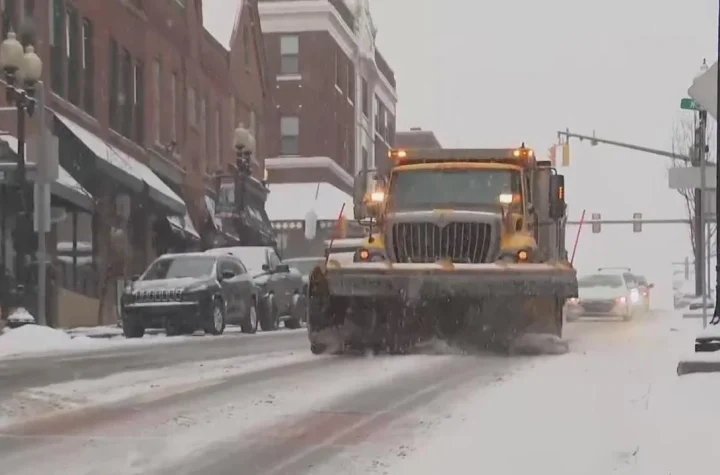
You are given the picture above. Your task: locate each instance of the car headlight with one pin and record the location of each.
(367, 255)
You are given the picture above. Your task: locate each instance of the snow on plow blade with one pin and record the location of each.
(396, 305)
(420, 281)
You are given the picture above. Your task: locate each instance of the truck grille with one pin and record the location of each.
(467, 243)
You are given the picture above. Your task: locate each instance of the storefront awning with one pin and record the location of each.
(65, 187)
(184, 225)
(126, 169)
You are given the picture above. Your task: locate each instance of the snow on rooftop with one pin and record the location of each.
(292, 201)
(219, 21)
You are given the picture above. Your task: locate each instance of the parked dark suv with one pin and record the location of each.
(186, 292)
(280, 287)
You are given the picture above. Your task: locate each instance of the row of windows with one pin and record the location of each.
(72, 56)
(72, 76)
(204, 114)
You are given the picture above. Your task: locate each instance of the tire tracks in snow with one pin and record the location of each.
(276, 421)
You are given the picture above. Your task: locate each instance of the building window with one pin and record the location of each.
(338, 73)
(207, 133)
(246, 46)
(114, 85)
(139, 102)
(191, 107)
(10, 18)
(385, 119)
(181, 3)
(233, 112)
(377, 114)
(218, 138)
(73, 45)
(351, 82)
(365, 165)
(290, 132)
(289, 54)
(157, 99)
(203, 129)
(173, 106)
(88, 64)
(127, 95)
(365, 98)
(254, 125)
(57, 46)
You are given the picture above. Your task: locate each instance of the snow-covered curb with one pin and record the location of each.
(36, 340)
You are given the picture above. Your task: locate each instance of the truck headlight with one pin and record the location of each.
(515, 255)
(367, 255)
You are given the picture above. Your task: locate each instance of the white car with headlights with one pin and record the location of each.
(607, 294)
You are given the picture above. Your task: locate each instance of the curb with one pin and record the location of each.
(108, 335)
(690, 367)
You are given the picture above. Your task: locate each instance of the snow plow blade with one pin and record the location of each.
(396, 305)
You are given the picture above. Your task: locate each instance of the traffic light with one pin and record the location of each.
(595, 219)
(566, 154)
(637, 225)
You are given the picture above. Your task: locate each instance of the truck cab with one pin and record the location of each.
(465, 206)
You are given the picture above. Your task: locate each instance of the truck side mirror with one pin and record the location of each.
(557, 196)
(359, 190)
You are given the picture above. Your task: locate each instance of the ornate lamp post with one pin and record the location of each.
(22, 69)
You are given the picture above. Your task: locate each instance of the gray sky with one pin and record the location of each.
(521, 70)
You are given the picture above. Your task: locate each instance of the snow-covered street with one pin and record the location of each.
(614, 404)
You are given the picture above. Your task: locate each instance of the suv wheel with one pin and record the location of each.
(250, 323)
(133, 329)
(215, 322)
(269, 314)
(297, 312)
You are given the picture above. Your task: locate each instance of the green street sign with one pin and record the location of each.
(690, 104)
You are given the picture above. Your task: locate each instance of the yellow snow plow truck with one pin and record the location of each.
(473, 245)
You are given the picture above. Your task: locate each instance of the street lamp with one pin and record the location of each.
(23, 69)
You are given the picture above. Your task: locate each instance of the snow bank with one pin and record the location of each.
(36, 338)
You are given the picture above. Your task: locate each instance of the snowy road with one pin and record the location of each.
(266, 406)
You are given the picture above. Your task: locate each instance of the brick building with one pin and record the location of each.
(333, 96)
(145, 96)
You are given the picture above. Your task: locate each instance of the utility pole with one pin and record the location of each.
(699, 152)
(46, 175)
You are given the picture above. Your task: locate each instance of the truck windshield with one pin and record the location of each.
(459, 187)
